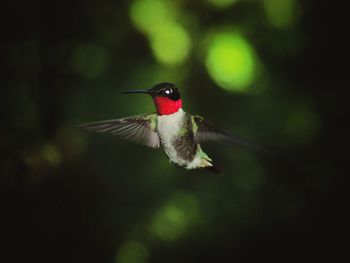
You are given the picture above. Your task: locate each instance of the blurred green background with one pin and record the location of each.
(258, 68)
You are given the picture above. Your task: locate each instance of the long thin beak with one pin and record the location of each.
(144, 91)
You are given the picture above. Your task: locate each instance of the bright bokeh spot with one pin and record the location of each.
(132, 252)
(230, 61)
(171, 45)
(222, 3)
(149, 15)
(89, 60)
(169, 40)
(171, 222)
(281, 13)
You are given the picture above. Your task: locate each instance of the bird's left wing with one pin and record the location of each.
(139, 128)
(205, 130)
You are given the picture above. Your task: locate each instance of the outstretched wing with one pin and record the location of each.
(207, 131)
(139, 128)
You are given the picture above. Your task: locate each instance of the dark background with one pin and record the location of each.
(68, 195)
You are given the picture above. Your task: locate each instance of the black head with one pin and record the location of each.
(165, 89)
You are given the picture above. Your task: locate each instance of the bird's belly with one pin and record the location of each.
(173, 154)
(169, 129)
(185, 155)
(177, 140)
(169, 142)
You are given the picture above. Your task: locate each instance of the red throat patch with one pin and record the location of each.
(166, 106)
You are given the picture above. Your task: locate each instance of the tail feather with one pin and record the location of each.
(215, 169)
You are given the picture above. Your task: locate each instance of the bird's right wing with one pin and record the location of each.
(139, 128)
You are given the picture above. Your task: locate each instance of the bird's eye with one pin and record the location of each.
(167, 91)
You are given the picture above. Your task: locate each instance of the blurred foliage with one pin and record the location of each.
(254, 67)
(281, 13)
(158, 19)
(230, 61)
(132, 252)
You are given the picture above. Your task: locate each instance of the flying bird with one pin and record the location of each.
(170, 127)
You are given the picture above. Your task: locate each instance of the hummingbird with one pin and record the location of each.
(179, 133)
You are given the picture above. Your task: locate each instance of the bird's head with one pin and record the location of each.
(166, 97)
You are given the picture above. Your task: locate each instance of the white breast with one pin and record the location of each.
(169, 127)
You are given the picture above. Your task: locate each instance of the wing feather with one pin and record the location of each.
(139, 128)
(208, 131)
